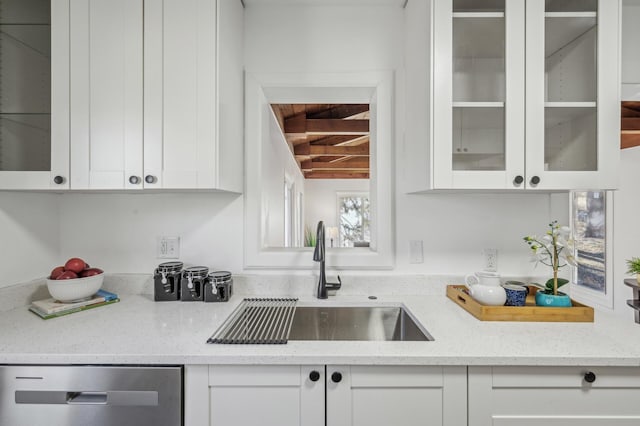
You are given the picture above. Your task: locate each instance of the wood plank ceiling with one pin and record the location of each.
(328, 141)
(630, 125)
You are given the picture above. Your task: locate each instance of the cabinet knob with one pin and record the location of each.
(134, 180)
(150, 179)
(336, 377)
(314, 376)
(58, 180)
(535, 180)
(518, 180)
(589, 377)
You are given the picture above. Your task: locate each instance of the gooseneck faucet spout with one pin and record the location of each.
(319, 256)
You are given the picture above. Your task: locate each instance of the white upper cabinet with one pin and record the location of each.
(156, 94)
(106, 94)
(523, 95)
(34, 94)
(573, 94)
(193, 85)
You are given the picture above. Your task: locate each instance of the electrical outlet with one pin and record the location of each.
(168, 248)
(416, 254)
(490, 259)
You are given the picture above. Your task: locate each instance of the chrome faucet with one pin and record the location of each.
(319, 256)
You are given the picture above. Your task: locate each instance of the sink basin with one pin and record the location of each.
(370, 323)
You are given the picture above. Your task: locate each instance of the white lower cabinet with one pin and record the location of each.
(326, 395)
(554, 396)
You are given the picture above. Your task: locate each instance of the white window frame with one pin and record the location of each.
(372, 87)
(581, 293)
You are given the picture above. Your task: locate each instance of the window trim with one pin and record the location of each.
(581, 293)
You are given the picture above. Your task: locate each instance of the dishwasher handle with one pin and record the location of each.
(87, 398)
(119, 398)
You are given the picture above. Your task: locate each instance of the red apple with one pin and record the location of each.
(75, 264)
(91, 272)
(67, 275)
(57, 271)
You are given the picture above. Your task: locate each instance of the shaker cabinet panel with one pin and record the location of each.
(106, 94)
(121, 94)
(399, 395)
(34, 94)
(335, 395)
(266, 395)
(193, 94)
(532, 396)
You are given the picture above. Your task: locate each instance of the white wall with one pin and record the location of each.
(321, 202)
(29, 236)
(277, 164)
(117, 232)
(626, 233)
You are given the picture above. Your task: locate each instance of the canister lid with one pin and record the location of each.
(196, 271)
(168, 267)
(220, 276)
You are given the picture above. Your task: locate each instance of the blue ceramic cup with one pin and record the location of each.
(516, 295)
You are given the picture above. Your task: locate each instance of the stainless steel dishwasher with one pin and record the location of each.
(90, 395)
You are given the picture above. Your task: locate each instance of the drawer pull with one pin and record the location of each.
(314, 376)
(589, 377)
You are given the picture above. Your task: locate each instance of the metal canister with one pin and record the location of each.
(192, 283)
(219, 286)
(166, 281)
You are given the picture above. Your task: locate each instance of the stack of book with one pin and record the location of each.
(51, 308)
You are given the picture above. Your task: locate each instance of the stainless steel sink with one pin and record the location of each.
(371, 323)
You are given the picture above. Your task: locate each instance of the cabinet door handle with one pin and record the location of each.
(314, 376)
(518, 180)
(589, 377)
(58, 180)
(535, 180)
(150, 179)
(134, 180)
(336, 377)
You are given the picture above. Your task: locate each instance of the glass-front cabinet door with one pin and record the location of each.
(479, 94)
(573, 135)
(34, 94)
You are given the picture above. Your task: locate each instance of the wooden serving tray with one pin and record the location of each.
(530, 312)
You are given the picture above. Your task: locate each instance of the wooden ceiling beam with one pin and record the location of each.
(335, 175)
(629, 139)
(300, 124)
(320, 150)
(340, 111)
(356, 164)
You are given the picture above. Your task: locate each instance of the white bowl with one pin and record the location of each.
(75, 288)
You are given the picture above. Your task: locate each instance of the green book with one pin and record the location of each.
(46, 316)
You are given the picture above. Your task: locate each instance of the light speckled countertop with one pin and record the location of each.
(140, 331)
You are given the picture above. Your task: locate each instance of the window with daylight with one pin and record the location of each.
(289, 214)
(354, 220)
(591, 278)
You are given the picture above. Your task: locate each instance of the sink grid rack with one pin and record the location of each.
(258, 321)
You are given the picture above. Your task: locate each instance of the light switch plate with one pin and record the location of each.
(416, 254)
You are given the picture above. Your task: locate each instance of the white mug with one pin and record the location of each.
(482, 278)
